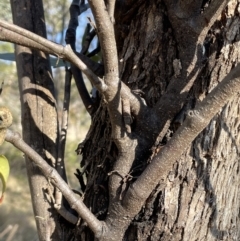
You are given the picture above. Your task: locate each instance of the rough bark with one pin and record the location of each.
(199, 198)
(39, 116)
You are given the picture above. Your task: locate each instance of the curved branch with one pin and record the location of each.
(50, 173)
(12, 33)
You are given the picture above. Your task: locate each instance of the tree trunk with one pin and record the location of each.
(39, 115)
(199, 200)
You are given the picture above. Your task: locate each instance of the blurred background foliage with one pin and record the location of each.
(17, 208)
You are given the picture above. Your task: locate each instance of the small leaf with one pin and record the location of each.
(4, 173)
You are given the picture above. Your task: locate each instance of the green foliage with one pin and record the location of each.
(6, 47)
(4, 173)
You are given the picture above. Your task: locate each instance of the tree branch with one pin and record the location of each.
(111, 9)
(195, 122)
(116, 94)
(89, 35)
(15, 34)
(50, 173)
(106, 37)
(74, 10)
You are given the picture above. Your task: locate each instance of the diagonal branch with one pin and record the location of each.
(195, 122)
(14, 34)
(89, 35)
(210, 14)
(74, 10)
(49, 172)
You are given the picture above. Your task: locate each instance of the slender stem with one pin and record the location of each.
(12, 33)
(50, 173)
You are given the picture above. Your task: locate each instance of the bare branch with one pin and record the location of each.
(196, 121)
(106, 37)
(126, 156)
(95, 51)
(50, 173)
(96, 68)
(18, 35)
(15, 34)
(89, 35)
(71, 218)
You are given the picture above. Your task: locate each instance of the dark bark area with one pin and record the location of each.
(195, 201)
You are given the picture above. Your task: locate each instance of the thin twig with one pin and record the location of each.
(87, 38)
(71, 39)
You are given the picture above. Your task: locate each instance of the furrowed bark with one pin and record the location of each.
(196, 121)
